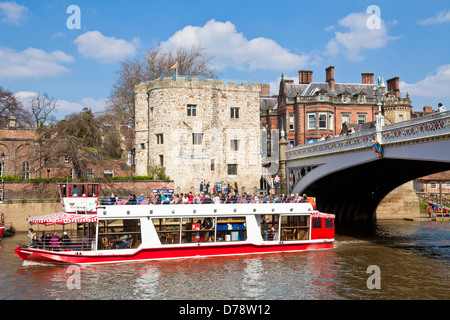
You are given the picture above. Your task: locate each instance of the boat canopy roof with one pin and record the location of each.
(62, 218)
(322, 215)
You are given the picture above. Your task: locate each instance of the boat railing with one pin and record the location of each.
(105, 202)
(74, 244)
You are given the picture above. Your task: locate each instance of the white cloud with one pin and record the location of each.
(364, 33)
(32, 63)
(442, 17)
(13, 13)
(96, 105)
(93, 44)
(433, 86)
(230, 48)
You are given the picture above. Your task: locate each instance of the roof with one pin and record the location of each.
(268, 102)
(292, 90)
(441, 176)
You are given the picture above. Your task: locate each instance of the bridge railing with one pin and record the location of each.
(434, 125)
(429, 126)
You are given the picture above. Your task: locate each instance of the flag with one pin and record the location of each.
(174, 66)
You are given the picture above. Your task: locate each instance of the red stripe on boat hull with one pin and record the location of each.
(105, 257)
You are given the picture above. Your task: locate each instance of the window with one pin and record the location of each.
(330, 121)
(344, 99)
(108, 173)
(311, 121)
(329, 223)
(291, 122)
(66, 159)
(213, 165)
(160, 138)
(361, 118)
(161, 160)
(232, 169)
(345, 118)
(89, 173)
(168, 230)
(433, 185)
(361, 99)
(400, 118)
(231, 229)
(142, 146)
(234, 113)
(26, 170)
(197, 138)
(234, 145)
(200, 229)
(119, 234)
(322, 120)
(321, 97)
(294, 228)
(447, 185)
(191, 110)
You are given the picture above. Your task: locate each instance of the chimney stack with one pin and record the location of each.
(304, 76)
(330, 77)
(12, 122)
(393, 85)
(367, 77)
(265, 90)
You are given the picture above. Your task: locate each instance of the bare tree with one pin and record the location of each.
(42, 107)
(151, 65)
(10, 106)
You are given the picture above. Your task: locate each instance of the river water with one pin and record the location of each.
(411, 259)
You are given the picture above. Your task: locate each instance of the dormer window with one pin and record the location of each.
(361, 99)
(345, 99)
(321, 97)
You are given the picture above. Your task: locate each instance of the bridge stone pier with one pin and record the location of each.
(350, 175)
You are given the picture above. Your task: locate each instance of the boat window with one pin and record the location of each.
(77, 190)
(198, 229)
(119, 234)
(294, 228)
(272, 227)
(317, 223)
(329, 223)
(92, 190)
(168, 230)
(231, 229)
(64, 190)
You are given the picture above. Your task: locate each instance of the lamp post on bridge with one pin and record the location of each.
(379, 91)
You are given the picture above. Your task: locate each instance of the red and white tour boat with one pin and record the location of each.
(115, 233)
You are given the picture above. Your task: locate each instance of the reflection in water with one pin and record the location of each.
(413, 257)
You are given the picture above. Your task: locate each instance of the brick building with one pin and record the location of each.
(309, 110)
(199, 130)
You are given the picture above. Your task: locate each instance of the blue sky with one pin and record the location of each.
(253, 41)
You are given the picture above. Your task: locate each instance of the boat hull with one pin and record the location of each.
(175, 252)
(2, 230)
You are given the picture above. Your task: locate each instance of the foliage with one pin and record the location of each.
(151, 65)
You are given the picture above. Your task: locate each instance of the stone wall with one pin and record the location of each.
(24, 191)
(401, 203)
(165, 130)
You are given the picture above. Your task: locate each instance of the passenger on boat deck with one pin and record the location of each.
(142, 198)
(126, 241)
(65, 240)
(304, 198)
(266, 229)
(216, 198)
(112, 199)
(30, 236)
(54, 241)
(74, 192)
(132, 199)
